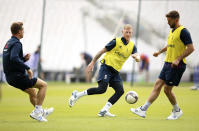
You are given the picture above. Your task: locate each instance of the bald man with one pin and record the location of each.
(116, 52)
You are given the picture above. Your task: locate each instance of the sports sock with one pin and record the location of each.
(107, 106)
(38, 109)
(145, 106)
(176, 107)
(83, 93)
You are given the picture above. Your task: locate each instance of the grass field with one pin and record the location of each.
(15, 109)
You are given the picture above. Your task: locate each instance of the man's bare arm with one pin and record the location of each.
(97, 56)
(160, 51)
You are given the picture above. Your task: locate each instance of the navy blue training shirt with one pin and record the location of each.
(112, 44)
(13, 60)
(87, 57)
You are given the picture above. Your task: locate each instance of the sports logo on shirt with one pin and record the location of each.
(105, 76)
(6, 46)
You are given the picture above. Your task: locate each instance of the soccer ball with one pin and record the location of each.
(131, 97)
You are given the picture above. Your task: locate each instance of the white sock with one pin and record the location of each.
(38, 108)
(83, 93)
(107, 106)
(146, 106)
(176, 107)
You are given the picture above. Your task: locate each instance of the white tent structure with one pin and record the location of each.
(74, 26)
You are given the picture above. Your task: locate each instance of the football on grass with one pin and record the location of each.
(131, 97)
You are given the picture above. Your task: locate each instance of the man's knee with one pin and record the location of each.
(31, 92)
(44, 84)
(119, 89)
(40, 84)
(158, 85)
(167, 90)
(102, 87)
(101, 90)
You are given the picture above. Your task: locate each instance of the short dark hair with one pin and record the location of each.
(173, 14)
(16, 27)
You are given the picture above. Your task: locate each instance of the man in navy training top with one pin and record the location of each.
(20, 76)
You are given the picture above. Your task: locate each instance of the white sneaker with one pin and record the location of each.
(139, 112)
(38, 116)
(105, 113)
(194, 88)
(47, 112)
(175, 115)
(73, 98)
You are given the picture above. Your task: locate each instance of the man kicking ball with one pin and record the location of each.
(116, 52)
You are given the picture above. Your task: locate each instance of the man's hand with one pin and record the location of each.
(155, 54)
(175, 63)
(136, 57)
(89, 68)
(27, 57)
(30, 73)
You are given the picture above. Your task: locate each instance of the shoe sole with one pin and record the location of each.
(133, 110)
(100, 115)
(36, 119)
(69, 103)
(104, 115)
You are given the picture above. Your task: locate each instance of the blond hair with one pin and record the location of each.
(127, 26)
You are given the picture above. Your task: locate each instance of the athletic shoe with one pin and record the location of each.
(139, 112)
(38, 116)
(175, 115)
(105, 113)
(47, 112)
(194, 88)
(73, 98)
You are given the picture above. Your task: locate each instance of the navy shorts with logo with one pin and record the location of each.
(172, 75)
(109, 75)
(20, 81)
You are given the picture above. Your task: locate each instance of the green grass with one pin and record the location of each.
(15, 109)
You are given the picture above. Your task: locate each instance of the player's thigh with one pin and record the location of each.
(40, 84)
(159, 82)
(104, 74)
(116, 83)
(162, 74)
(118, 87)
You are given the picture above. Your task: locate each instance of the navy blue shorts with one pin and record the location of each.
(109, 75)
(142, 65)
(20, 81)
(172, 76)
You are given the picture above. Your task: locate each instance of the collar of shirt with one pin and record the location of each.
(15, 37)
(175, 29)
(124, 41)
